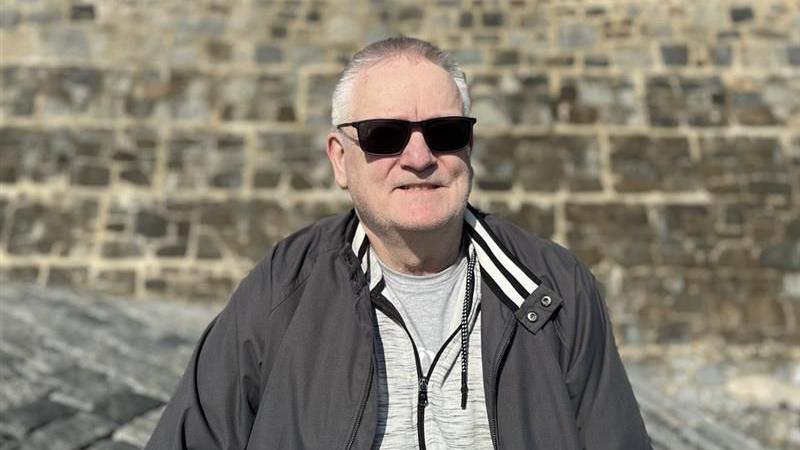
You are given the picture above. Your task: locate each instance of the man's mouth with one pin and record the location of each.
(418, 187)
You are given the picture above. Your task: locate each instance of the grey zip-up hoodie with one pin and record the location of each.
(290, 362)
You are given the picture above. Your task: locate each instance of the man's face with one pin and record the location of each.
(416, 190)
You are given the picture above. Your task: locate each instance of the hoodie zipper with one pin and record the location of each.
(422, 384)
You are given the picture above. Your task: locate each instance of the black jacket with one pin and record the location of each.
(289, 362)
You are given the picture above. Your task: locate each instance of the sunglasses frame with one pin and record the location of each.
(410, 127)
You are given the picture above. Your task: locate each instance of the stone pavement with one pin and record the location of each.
(79, 371)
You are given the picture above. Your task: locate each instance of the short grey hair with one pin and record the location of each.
(380, 50)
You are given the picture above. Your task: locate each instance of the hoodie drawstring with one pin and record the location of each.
(465, 327)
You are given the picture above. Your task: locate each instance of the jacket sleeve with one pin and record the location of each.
(607, 414)
(216, 399)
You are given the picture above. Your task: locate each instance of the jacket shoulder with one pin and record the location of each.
(292, 259)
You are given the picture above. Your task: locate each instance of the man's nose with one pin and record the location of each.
(417, 155)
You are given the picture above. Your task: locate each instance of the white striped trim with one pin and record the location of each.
(488, 265)
(485, 261)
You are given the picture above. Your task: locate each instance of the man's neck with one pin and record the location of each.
(418, 252)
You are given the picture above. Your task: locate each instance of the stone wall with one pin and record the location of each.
(158, 148)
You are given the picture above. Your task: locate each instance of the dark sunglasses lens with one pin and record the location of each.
(383, 137)
(449, 134)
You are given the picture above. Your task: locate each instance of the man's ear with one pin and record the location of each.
(335, 150)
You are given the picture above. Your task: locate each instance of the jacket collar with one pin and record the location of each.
(510, 280)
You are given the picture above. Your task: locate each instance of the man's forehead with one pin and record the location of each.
(387, 81)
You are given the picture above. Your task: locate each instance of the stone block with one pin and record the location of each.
(551, 162)
(793, 55)
(672, 101)
(596, 60)
(318, 110)
(9, 17)
(749, 105)
(172, 250)
(721, 55)
(79, 387)
(641, 163)
(729, 165)
(493, 19)
(613, 232)
(64, 229)
(207, 248)
(495, 164)
(579, 34)
(20, 87)
(19, 421)
(147, 90)
(530, 105)
(18, 147)
(741, 14)
(632, 57)
(91, 175)
(121, 249)
(74, 432)
(242, 98)
(19, 274)
(268, 54)
(675, 55)
(201, 159)
(466, 20)
(782, 255)
(296, 154)
(113, 445)
(685, 234)
(663, 102)
(537, 220)
(596, 99)
(138, 431)
(82, 12)
(69, 43)
(69, 277)
(117, 282)
(219, 51)
(122, 406)
(188, 96)
(150, 224)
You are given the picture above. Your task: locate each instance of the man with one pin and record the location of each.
(415, 320)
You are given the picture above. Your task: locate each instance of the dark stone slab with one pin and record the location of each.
(113, 445)
(151, 224)
(742, 14)
(493, 19)
(123, 406)
(641, 163)
(81, 12)
(21, 420)
(595, 233)
(268, 54)
(71, 433)
(793, 54)
(784, 255)
(675, 55)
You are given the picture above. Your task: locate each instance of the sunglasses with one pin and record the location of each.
(385, 137)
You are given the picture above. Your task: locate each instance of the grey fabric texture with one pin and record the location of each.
(446, 425)
(429, 304)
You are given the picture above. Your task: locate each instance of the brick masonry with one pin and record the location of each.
(158, 149)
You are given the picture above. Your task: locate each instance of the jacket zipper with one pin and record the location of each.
(507, 333)
(351, 440)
